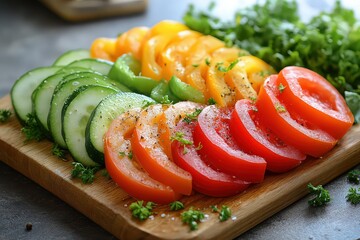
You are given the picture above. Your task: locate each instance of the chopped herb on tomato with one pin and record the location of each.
(192, 116)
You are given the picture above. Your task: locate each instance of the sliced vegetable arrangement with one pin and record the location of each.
(182, 64)
(140, 106)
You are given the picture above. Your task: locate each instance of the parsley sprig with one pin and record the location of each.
(4, 115)
(141, 211)
(32, 129)
(58, 151)
(177, 205)
(192, 116)
(353, 196)
(354, 176)
(225, 213)
(321, 198)
(86, 174)
(192, 218)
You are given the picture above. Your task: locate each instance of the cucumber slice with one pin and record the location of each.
(42, 95)
(99, 76)
(21, 92)
(101, 118)
(61, 93)
(75, 115)
(96, 65)
(70, 56)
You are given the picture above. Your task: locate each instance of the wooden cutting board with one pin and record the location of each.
(107, 205)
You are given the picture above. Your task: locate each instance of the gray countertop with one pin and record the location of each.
(32, 36)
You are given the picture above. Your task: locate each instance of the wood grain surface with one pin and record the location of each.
(107, 205)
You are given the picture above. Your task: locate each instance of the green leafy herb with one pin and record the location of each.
(214, 208)
(353, 101)
(192, 116)
(177, 205)
(147, 103)
(328, 44)
(280, 108)
(225, 213)
(207, 61)
(281, 87)
(140, 211)
(321, 198)
(105, 173)
(4, 115)
(354, 176)
(224, 69)
(211, 101)
(195, 65)
(353, 196)
(179, 136)
(165, 100)
(32, 129)
(58, 151)
(192, 218)
(86, 174)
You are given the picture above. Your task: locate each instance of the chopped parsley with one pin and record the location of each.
(225, 213)
(207, 62)
(129, 155)
(58, 151)
(32, 129)
(179, 136)
(280, 108)
(281, 87)
(177, 205)
(86, 174)
(140, 211)
(211, 101)
(192, 116)
(321, 198)
(4, 115)
(192, 218)
(353, 196)
(354, 176)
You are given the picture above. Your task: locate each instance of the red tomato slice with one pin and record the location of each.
(146, 146)
(205, 179)
(221, 151)
(251, 135)
(316, 99)
(126, 172)
(289, 126)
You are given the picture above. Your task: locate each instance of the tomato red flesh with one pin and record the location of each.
(251, 135)
(288, 125)
(316, 99)
(206, 180)
(221, 151)
(126, 172)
